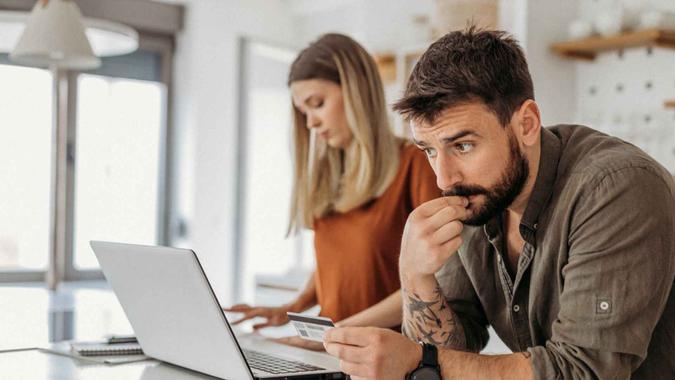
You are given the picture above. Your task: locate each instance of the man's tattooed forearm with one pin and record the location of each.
(427, 336)
(453, 339)
(431, 321)
(421, 309)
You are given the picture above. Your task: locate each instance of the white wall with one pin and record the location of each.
(623, 94)
(205, 117)
(313, 18)
(380, 25)
(546, 22)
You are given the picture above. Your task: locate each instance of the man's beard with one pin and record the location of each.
(500, 196)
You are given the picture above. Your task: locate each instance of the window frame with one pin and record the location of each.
(165, 51)
(64, 268)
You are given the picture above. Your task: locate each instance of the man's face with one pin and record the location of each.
(474, 156)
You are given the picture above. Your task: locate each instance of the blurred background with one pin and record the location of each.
(180, 136)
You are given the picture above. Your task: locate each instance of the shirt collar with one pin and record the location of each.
(543, 186)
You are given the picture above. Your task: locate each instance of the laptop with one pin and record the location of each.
(177, 318)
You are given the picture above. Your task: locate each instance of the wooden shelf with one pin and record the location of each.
(669, 103)
(588, 48)
(386, 65)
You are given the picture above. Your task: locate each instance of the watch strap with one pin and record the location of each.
(429, 355)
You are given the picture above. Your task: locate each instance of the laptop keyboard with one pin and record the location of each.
(276, 365)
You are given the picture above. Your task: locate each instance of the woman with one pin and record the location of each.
(355, 184)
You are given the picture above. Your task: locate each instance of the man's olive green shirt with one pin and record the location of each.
(593, 293)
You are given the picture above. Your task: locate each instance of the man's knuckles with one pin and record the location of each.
(339, 351)
(376, 339)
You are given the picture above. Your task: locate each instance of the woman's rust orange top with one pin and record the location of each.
(357, 251)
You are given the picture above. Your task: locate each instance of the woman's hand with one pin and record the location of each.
(276, 316)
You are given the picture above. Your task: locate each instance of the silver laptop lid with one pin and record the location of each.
(172, 308)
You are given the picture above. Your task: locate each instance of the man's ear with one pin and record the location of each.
(528, 123)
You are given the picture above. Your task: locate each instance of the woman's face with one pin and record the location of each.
(321, 103)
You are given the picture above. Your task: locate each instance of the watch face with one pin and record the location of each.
(425, 373)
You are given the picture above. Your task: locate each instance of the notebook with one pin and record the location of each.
(64, 348)
(105, 349)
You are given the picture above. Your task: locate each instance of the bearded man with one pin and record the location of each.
(560, 238)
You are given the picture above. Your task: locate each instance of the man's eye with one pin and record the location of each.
(464, 147)
(430, 152)
(318, 104)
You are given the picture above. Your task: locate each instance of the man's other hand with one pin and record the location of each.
(372, 353)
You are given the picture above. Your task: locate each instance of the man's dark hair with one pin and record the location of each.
(465, 66)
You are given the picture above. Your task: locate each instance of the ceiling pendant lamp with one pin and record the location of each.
(54, 36)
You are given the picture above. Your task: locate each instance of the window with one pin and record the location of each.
(25, 167)
(115, 180)
(119, 129)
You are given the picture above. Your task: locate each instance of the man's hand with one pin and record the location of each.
(300, 343)
(432, 235)
(372, 353)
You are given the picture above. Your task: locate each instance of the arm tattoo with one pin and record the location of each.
(431, 321)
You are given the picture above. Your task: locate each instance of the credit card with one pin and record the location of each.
(310, 328)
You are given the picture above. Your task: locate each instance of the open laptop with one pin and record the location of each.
(177, 318)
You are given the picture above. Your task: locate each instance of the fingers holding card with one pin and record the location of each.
(310, 328)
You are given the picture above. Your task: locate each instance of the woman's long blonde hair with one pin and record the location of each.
(334, 180)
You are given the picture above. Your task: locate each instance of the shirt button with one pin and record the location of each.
(604, 305)
(516, 308)
(536, 225)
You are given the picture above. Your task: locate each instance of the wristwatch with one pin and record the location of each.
(428, 368)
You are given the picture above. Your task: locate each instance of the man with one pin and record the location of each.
(560, 238)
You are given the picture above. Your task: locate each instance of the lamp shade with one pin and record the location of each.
(54, 36)
(107, 38)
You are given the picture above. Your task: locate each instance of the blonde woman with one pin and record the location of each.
(355, 184)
